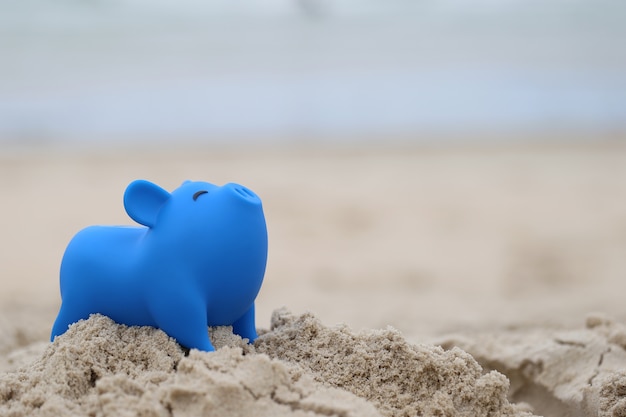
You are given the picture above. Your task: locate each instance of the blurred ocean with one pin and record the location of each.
(102, 70)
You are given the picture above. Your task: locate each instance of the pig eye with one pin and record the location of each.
(198, 194)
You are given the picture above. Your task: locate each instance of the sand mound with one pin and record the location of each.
(298, 368)
(105, 369)
(561, 372)
(379, 365)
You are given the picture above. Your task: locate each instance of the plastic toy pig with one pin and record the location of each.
(198, 262)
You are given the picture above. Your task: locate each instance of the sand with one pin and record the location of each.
(299, 368)
(500, 270)
(576, 372)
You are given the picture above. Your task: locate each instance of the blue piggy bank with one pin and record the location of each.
(198, 262)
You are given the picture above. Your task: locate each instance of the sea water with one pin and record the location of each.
(111, 70)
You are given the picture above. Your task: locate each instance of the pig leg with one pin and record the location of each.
(245, 325)
(183, 318)
(64, 320)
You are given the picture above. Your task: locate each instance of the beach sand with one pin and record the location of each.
(500, 269)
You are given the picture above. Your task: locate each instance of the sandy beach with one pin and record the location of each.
(402, 280)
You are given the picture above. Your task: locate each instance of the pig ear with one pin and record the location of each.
(143, 200)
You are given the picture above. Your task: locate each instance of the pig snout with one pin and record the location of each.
(242, 193)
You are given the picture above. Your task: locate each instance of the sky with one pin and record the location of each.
(138, 69)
